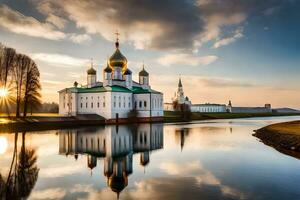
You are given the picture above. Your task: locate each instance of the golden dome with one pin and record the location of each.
(118, 59)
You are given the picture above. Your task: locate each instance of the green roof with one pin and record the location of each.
(140, 90)
(98, 89)
(114, 88)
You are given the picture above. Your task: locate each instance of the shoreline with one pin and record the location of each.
(284, 137)
(57, 122)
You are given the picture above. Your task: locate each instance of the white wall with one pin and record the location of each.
(208, 108)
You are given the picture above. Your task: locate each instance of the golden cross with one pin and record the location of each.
(117, 34)
(91, 62)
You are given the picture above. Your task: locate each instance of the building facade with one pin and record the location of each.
(116, 97)
(209, 108)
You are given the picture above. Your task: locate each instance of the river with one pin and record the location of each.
(217, 159)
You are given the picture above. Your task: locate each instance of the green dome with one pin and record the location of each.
(127, 72)
(143, 72)
(108, 69)
(91, 71)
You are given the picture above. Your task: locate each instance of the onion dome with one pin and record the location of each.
(117, 184)
(108, 69)
(143, 72)
(118, 59)
(91, 71)
(127, 72)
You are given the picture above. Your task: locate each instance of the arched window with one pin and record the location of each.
(145, 103)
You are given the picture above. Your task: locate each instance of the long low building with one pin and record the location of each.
(266, 109)
(209, 108)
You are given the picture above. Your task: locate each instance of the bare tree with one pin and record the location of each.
(7, 61)
(32, 87)
(21, 64)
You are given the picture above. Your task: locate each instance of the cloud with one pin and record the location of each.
(238, 33)
(80, 38)
(51, 193)
(16, 22)
(171, 24)
(60, 171)
(186, 59)
(60, 60)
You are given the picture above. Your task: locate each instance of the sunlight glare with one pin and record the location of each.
(3, 145)
(3, 92)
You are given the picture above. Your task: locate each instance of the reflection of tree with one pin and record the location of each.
(23, 173)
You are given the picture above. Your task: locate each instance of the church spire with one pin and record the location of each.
(179, 83)
(117, 39)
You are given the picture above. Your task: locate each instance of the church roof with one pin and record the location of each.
(143, 72)
(127, 72)
(91, 71)
(179, 83)
(114, 88)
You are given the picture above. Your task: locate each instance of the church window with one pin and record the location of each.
(104, 143)
(129, 105)
(98, 144)
(120, 143)
(103, 104)
(80, 105)
(145, 138)
(86, 105)
(92, 105)
(98, 104)
(81, 98)
(145, 103)
(140, 104)
(119, 104)
(141, 138)
(114, 104)
(86, 97)
(124, 104)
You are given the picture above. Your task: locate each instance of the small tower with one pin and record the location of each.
(107, 75)
(118, 61)
(144, 77)
(127, 76)
(180, 93)
(229, 107)
(91, 76)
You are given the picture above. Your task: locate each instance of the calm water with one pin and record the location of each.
(207, 160)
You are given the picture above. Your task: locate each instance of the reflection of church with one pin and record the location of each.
(116, 145)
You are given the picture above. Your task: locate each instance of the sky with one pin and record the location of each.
(245, 51)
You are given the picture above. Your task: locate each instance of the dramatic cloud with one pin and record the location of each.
(18, 23)
(225, 41)
(170, 24)
(186, 59)
(60, 60)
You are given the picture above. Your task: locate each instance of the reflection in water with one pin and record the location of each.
(116, 145)
(219, 160)
(23, 172)
(181, 135)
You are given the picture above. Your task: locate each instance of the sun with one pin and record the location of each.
(3, 92)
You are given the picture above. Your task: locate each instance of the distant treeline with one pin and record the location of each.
(19, 83)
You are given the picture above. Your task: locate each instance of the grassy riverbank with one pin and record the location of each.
(53, 121)
(173, 116)
(285, 137)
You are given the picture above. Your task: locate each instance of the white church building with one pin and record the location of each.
(116, 97)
